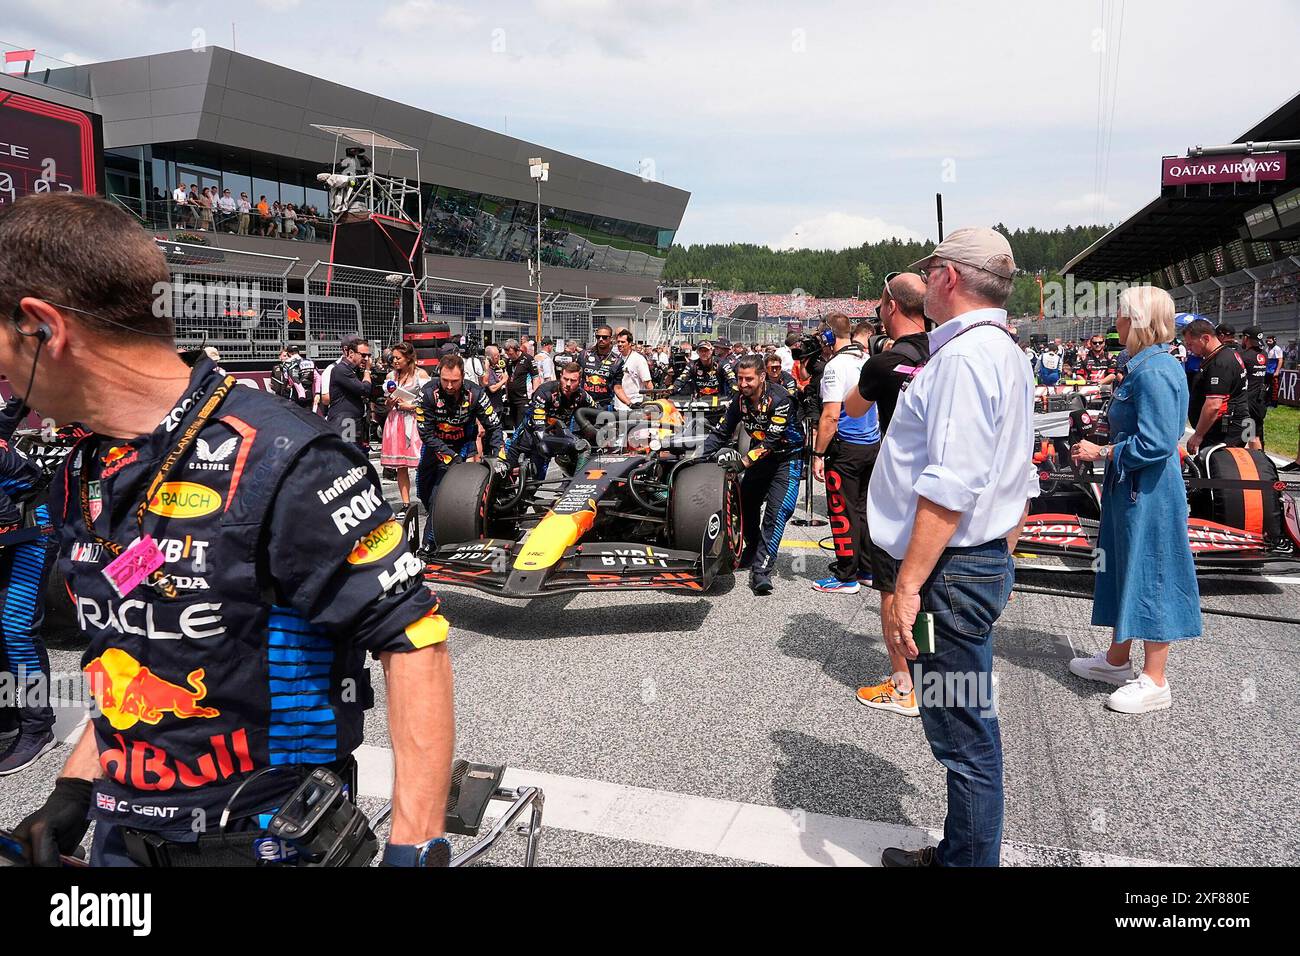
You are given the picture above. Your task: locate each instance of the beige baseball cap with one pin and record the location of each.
(974, 246)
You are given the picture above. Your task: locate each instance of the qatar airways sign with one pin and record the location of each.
(1239, 168)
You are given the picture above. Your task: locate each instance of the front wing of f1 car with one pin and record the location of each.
(511, 569)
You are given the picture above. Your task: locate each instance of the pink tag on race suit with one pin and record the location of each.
(135, 564)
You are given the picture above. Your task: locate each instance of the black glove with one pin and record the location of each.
(499, 467)
(59, 825)
(729, 459)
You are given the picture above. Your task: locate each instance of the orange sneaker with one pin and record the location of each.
(885, 696)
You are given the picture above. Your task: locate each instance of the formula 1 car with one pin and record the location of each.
(640, 514)
(1244, 508)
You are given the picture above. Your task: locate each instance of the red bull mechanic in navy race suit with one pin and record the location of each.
(231, 559)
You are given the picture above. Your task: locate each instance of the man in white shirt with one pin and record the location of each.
(181, 199)
(636, 371)
(226, 206)
(1273, 357)
(948, 497)
(544, 366)
(787, 352)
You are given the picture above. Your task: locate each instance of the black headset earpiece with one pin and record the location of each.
(43, 332)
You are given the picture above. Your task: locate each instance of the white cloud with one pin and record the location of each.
(839, 230)
(414, 15)
(1089, 204)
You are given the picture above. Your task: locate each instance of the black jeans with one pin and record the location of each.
(848, 474)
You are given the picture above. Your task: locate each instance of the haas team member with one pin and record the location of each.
(1255, 359)
(602, 371)
(1219, 411)
(1098, 367)
(25, 557)
(772, 467)
(232, 560)
(447, 417)
(544, 433)
(705, 377)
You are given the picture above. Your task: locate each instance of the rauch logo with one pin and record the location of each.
(377, 544)
(184, 499)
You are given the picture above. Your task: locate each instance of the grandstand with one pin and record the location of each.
(1228, 250)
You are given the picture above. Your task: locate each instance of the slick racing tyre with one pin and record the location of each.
(1255, 510)
(460, 504)
(699, 493)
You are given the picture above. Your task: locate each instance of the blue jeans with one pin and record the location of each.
(954, 689)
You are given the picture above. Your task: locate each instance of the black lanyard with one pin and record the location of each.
(974, 325)
(158, 579)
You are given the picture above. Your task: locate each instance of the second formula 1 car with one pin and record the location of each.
(1244, 508)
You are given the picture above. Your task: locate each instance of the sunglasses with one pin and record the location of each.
(888, 291)
(602, 337)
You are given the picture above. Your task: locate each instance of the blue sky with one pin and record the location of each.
(812, 124)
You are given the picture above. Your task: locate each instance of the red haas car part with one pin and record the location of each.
(1243, 509)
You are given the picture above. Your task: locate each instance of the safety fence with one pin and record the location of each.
(249, 306)
(236, 301)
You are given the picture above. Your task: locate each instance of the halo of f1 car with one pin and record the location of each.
(1243, 507)
(631, 510)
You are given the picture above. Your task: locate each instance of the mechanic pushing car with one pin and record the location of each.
(705, 377)
(544, 433)
(232, 560)
(602, 371)
(447, 417)
(773, 466)
(26, 553)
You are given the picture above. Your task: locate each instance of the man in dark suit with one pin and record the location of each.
(350, 390)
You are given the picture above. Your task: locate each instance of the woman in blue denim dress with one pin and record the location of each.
(1146, 581)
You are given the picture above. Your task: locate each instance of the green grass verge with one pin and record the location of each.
(1282, 431)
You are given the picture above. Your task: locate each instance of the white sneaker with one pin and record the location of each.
(1098, 668)
(1140, 696)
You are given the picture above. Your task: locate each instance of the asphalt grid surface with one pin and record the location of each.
(750, 701)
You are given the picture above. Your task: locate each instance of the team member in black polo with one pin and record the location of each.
(602, 370)
(1218, 404)
(1255, 359)
(902, 310)
(350, 391)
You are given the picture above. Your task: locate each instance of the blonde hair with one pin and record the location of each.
(1151, 316)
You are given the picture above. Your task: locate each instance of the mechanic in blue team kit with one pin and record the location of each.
(844, 453)
(448, 416)
(772, 468)
(26, 553)
(705, 377)
(602, 371)
(232, 561)
(544, 433)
